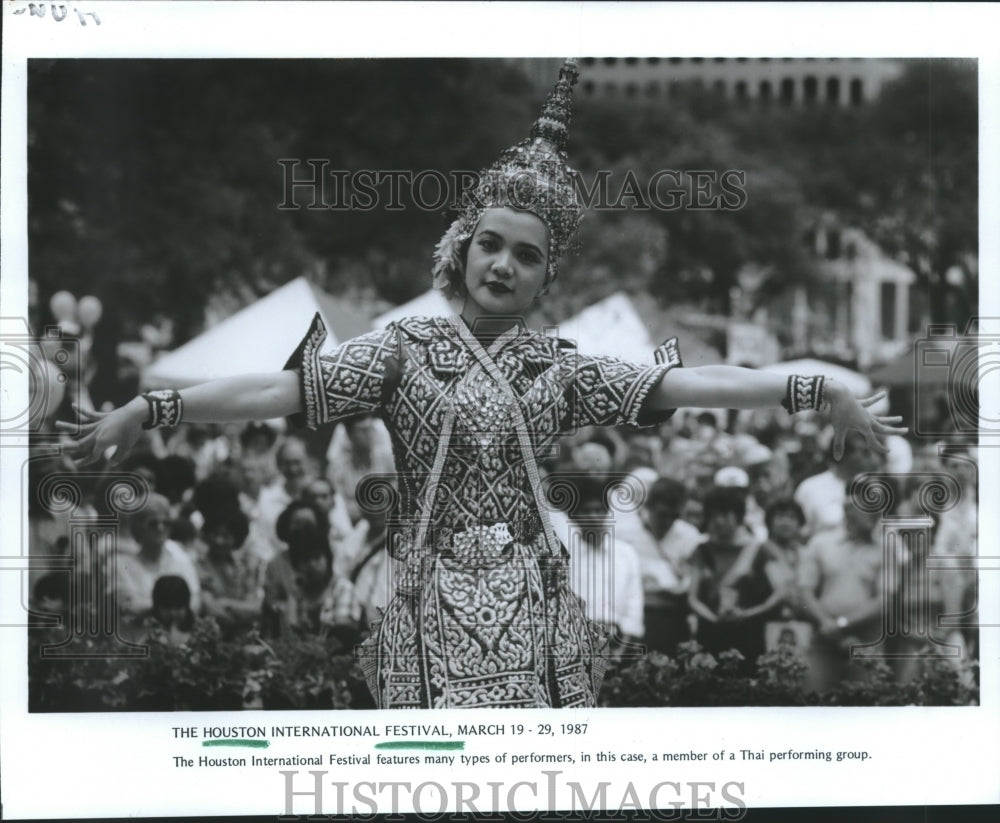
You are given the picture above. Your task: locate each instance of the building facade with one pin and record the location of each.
(783, 81)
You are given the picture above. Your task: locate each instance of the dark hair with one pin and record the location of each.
(171, 592)
(723, 500)
(590, 489)
(304, 546)
(282, 527)
(182, 530)
(216, 495)
(52, 585)
(668, 491)
(253, 430)
(140, 460)
(232, 519)
(707, 419)
(783, 505)
(174, 476)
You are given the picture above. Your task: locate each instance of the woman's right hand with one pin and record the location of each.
(106, 434)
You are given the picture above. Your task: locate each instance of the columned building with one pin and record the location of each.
(783, 81)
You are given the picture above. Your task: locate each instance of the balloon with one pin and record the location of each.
(62, 305)
(69, 327)
(89, 311)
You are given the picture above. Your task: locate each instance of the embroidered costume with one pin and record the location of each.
(482, 614)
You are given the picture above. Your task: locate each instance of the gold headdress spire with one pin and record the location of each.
(531, 176)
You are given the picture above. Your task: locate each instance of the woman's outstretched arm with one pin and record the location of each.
(231, 399)
(735, 387)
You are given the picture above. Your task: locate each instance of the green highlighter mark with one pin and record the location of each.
(239, 744)
(423, 745)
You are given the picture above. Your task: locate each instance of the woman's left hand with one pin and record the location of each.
(849, 413)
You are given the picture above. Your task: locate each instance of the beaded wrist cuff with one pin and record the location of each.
(803, 393)
(165, 409)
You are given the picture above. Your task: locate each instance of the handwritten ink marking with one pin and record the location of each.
(423, 745)
(248, 744)
(83, 17)
(59, 12)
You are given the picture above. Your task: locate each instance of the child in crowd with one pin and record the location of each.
(729, 585)
(231, 578)
(300, 587)
(171, 610)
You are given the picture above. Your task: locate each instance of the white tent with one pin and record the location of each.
(258, 338)
(610, 327)
(429, 304)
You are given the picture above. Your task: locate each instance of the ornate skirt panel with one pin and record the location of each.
(500, 631)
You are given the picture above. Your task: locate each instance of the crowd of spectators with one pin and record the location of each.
(748, 538)
(734, 530)
(742, 537)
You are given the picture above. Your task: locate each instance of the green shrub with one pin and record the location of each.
(206, 673)
(302, 671)
(696, 678)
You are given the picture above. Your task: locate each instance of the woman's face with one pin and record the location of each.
(784, 526)
(722, 526)
(220, 541)
(506, 263)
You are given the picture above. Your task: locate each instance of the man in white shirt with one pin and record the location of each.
(147, 554)
(604, 571)
(664, 563)
(297, 470)
(821, 497)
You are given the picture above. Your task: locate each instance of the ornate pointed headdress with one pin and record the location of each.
(531, 176)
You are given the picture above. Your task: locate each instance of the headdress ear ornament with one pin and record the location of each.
(533, 176)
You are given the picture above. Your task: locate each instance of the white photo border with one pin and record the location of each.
(123, 765)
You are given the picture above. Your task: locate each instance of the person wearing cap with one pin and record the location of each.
(751, 528)
(481, 614)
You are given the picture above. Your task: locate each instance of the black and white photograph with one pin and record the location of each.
(643, 393)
